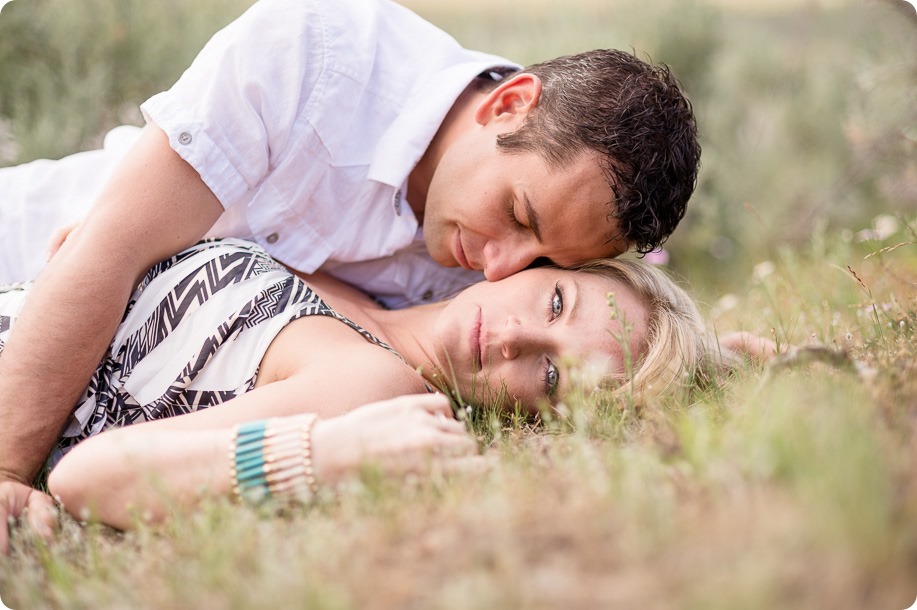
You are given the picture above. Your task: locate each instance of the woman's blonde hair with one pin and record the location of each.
(679, 349)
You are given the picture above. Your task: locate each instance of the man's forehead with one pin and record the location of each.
(590, 243)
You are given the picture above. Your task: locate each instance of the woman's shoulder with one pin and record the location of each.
(330, 359)
(324, 341)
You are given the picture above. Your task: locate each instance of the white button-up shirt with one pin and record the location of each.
(305, 117)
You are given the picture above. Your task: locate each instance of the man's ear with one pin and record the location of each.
(511, 100)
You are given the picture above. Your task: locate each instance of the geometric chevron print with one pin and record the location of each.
(192, 337)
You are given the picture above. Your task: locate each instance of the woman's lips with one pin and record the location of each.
(475, 340)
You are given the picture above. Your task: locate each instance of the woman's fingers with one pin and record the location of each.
(17, 500)
(436, 403)
(448, 424)
(408, 434)
(57, 240)
(443, 452)
(753, 346)
(41, 514)
(455, 444)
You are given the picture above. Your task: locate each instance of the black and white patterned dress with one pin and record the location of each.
(192, 337)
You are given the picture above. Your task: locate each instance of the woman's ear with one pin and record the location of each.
(511, 100)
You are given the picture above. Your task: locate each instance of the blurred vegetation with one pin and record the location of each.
(789, 486)
(70, 71)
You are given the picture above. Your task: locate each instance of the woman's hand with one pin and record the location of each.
(757, 348)
(412, 434)
(18, 499)
(57, 240)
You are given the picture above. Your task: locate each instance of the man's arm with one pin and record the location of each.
(154, 206)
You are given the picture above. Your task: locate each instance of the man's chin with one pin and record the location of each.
(444, 261)
(441, 253)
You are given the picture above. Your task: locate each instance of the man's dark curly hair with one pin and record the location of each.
(637, 117)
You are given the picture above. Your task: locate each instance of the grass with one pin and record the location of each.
(792, 487)
(788, 487)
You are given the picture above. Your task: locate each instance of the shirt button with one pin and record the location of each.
(396, 201)
(272, 238)
(426, 296)
(184, 138)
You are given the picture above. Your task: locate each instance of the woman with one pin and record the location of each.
(224, 324)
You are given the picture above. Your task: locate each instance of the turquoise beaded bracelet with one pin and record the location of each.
(273, 458)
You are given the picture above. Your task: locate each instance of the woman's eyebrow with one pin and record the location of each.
(574, 300)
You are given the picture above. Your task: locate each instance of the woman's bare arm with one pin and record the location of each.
(154, 206)
(174, 462)
(146, 471)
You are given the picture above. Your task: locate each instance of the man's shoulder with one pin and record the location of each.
(371, 22)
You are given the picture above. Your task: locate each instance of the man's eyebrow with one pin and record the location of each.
(532, 215)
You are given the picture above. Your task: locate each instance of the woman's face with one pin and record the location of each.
(526, 332)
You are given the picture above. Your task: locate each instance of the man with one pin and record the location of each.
(327, 132)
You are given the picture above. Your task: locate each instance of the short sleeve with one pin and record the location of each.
(232, 113)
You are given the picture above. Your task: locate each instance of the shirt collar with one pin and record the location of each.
(407, 138)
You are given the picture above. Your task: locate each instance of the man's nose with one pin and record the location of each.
(517, 339)
(501, 260)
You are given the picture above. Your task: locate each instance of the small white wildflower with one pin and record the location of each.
(763, 269)
(883, 227)
(886, 225)
(725, 303)
(591, 372)
(867, 235)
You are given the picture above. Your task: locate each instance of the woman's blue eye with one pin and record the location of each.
(557, 302)
(551, 379)
(551, 374)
